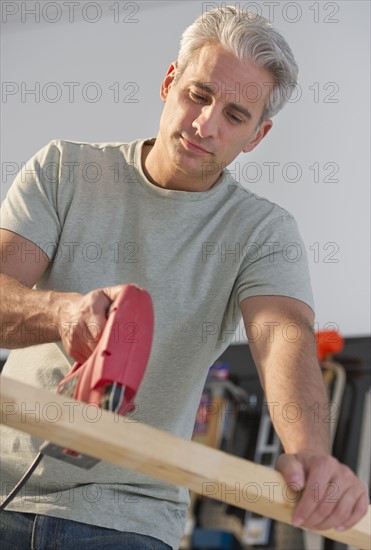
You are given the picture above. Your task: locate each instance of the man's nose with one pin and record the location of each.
(206, 123)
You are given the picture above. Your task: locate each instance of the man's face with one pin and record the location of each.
(211, 113)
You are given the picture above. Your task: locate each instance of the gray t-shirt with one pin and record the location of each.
(101, 222)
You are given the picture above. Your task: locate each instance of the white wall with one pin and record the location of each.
(324, 133)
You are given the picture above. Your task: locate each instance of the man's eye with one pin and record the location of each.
(198, 98)
(235, 119)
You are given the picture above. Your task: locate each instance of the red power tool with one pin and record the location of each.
(111, 376)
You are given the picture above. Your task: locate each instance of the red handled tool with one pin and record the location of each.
(111, 376)
(328, 343)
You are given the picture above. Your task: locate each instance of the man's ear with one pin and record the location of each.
(260, 134)
(168, 80)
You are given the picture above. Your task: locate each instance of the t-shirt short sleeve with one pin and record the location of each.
(30, 208)
(275, 263)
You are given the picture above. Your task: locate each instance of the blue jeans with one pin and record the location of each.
(33, 532)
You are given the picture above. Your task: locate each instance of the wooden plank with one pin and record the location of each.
(142, 448)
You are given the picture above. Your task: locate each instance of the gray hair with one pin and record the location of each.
(245, 35)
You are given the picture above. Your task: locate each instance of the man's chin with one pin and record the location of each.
(191, 163)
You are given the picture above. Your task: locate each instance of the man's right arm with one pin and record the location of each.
(30, 316)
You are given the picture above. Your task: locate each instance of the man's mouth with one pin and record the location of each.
(194, 147)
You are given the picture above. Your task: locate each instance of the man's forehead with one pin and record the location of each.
(212, 65)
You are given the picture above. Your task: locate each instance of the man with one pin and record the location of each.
(157, 213)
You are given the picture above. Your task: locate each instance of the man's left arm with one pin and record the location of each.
(282, 343)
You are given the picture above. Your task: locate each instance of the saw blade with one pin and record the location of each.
(113, 398)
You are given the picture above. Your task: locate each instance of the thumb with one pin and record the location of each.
(292, 470)
(111, 292)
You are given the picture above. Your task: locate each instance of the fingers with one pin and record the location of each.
(319, 494)
(333, 497)
(359, 510)
(83, 320)
(80, 338)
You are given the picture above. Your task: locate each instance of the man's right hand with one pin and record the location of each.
(82, 318)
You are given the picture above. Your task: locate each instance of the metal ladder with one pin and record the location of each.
(257, 528)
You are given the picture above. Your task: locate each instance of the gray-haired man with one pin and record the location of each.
(170, 198)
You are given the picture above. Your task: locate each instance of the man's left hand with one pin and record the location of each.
(332, 496)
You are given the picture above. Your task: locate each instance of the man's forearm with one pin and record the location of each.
(28, 316)
(296, 395)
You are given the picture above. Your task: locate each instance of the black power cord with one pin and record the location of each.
(22, 481)
(112, 401)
